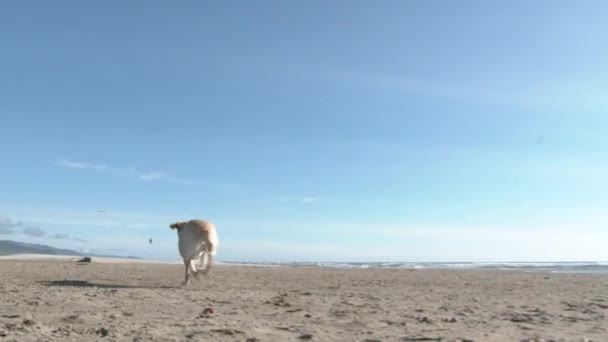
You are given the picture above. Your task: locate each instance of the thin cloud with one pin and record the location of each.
(34, 231)
(95, 167)
(225, 186)
(159, 176)
(555, 95)
(108, 250)
(60, 236)
(80, 165)
(151, 176)
(148, 176)
(298, 199)
(63, 236)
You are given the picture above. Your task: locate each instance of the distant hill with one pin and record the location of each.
(13, 247)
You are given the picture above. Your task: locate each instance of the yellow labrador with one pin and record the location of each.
(197, 246)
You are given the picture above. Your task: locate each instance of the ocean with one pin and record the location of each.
(591, 267)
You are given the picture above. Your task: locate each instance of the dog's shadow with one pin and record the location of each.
(86, 284)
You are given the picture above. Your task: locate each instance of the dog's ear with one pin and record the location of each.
(175, 225)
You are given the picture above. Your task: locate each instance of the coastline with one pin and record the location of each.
(567, 267)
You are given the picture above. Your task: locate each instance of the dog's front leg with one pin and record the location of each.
(187, 272)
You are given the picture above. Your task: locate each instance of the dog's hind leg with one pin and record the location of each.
(195, 266)
(208, 264)
(208, 257)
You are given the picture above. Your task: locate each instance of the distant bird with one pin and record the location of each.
(150, 241)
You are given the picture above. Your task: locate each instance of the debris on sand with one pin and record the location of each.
(84, 260)
(229, 332)
(103, 332)
(420, 338)
(280, 300)
(207, 313)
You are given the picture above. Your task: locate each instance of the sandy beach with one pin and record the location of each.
(58, 300)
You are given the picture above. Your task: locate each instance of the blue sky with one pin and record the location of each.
(343, 130)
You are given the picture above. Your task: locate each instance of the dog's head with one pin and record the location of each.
(177, 225)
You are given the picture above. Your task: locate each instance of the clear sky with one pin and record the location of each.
(308, 130)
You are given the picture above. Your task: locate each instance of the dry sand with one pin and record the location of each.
(58, 300)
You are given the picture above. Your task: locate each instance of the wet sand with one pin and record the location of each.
(58, 300)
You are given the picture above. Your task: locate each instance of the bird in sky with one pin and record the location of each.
(540, 139)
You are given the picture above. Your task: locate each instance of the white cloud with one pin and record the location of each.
(6, 231)
(560, 240)
(426, 244)
(7, 226)
(8, 223)
(56, 217)
(102, 223)
(267, 250)
(563, 237)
